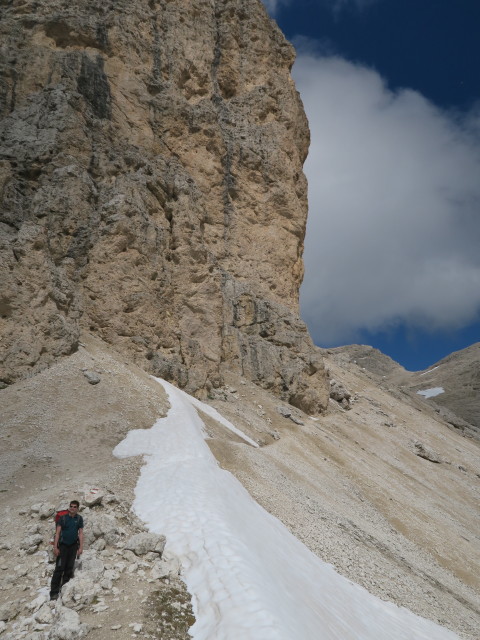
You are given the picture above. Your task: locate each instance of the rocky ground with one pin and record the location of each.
(125, 585)
(383, 490)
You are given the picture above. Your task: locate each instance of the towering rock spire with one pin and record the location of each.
(152, 191)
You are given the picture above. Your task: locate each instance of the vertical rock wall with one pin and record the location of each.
(152, 191)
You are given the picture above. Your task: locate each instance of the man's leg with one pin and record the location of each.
(70, 555)
(58, 573)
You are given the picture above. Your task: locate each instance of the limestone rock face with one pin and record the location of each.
(152, 191)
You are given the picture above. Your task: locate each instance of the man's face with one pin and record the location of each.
(72, 509)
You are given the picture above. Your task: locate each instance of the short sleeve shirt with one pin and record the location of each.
(70, 526)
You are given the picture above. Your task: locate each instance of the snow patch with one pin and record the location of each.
(249, 577)
(429, 371)
(431, 393)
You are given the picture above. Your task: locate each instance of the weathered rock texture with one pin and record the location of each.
(152, 191)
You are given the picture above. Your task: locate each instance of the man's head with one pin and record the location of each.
(73, 507)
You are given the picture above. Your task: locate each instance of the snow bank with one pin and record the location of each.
(249, 577)
(431, 393)
(429, 371)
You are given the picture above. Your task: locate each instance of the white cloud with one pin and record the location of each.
(394, 223)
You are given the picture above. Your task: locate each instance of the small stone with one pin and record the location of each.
(427, 454)
(283, 411)
(92, 377)
(115, 627)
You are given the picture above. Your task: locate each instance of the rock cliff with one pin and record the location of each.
(152, 191)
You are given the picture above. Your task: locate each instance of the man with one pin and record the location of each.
(67, 546)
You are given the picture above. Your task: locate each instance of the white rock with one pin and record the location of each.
(67, 626)
(80, 591)
(30, 543)
(101, 525)
(93, 496)
(35, 528)
(99, 545)
(9, 610)
(92, 565)
(39, 601)
(142, 543)
(46, 510)
(172, 562)
(44, 615)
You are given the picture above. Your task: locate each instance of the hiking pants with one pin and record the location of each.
(63, 567)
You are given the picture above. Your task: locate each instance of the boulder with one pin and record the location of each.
(46, 510)
(142, 543)
(100, 525)
(340, 393)
(67, 626)
(423, 452)
(9, 610)
(93, 497)
(36, 604)
(92, 565)
(44, 615)
(30, 542)
(80, 591)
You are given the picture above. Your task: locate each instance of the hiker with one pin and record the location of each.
(67, 546)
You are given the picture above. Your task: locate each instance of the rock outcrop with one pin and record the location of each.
(152, 191)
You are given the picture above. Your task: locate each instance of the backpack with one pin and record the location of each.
(58, 515)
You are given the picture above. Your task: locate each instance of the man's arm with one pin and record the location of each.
(80, 540)
(58, 530)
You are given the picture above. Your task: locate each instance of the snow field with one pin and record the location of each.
(249, 577)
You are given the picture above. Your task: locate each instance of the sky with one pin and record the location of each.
(392, 94)
(249, 577)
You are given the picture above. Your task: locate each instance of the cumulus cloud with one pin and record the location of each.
(394, 218)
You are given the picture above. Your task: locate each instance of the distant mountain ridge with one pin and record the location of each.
(458, 375)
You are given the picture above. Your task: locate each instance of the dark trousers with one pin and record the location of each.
(63, 567)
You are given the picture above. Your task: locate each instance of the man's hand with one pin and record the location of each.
(79, 553)
(56, 551)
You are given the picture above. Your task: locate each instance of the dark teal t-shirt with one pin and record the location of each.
(70, 526)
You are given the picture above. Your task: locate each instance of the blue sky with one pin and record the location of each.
(392, 93)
